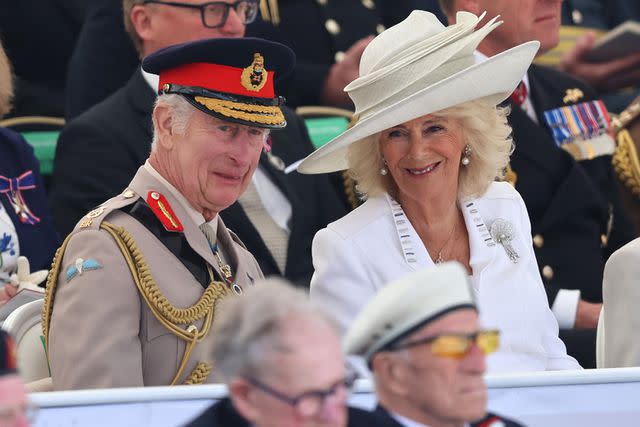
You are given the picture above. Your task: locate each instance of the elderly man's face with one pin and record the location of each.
(314, 362)
(13, 402)
(213, 162)
(524, 20)
(423, 157)
(170, 25)
(445, 390)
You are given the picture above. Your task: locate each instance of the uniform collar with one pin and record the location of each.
(193, 214)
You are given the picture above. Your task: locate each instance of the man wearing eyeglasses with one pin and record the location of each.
(280, 357)
(99, 151)
(421, 338)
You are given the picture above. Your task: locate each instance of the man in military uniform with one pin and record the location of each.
(133, 290)
(426, 351)
(572, 196)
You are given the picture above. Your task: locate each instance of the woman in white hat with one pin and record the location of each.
(426, 149)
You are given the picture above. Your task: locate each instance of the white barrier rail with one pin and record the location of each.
(585, 398)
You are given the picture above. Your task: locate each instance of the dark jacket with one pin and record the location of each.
(99, 152)
(223, 414)
(569, 202)
(38, 242)
(489, 420)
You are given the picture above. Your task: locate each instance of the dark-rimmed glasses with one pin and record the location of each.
(456, 346)
(309, 403)
(215, 14)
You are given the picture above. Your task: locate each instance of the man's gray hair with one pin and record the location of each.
(181, 112)
(248, 330)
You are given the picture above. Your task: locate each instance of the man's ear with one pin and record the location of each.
(391, 373)
(241, 394)
(141, 21)
(162, 120)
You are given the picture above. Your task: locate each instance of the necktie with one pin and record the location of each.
(212, 239)
(519, 95)
(275, 238)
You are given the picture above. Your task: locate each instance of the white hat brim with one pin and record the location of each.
(492, 80)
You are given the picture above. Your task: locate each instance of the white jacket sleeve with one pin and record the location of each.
(342, 283)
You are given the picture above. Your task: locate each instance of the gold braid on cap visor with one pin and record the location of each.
(267, 115)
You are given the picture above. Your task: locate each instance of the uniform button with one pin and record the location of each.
(155, 196)
(369, 4)
(128, 194)
(380, 28)
(339, 56)
(604, 240)
(322, 2)
(332, 26)
(577, 16)
(538, 241)
(547, 272)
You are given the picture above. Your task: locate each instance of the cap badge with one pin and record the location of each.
(254, 77)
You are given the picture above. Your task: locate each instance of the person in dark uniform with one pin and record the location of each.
(617, 80)
(421, 337)
(281, 360)
(26, 223)
(572, 197)
(39, 37)
(328, 38)
(99, 152)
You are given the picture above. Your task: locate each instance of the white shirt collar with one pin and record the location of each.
(193, 214)
(152, 79)
(406, 422)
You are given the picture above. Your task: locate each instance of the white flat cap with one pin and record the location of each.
(407, 304)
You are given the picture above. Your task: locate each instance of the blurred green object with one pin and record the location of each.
(324, 129)
(44, 147)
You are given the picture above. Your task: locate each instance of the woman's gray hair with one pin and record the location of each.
(248, 330)
(484, 128)
(6, 82)
(181, 112)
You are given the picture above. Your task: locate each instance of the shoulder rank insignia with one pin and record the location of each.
(254, 77)
(89, 217)
(80, 266)
(573, 95)
(162, 210)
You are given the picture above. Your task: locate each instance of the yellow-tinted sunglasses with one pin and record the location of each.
(456, 346)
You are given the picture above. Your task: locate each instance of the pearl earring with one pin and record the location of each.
(466, 156)
(383, 169)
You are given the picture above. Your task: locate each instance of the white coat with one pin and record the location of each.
(357, 255)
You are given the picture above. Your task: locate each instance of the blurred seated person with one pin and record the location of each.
(618, 341)
(617, 80)
(281, 359)
(26, 225)
(328, 38)
(39, 37)
(427, 148)
(421, 336)
(15, 410)
(99, 152)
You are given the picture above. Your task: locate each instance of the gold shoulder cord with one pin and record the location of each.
(166, 313)
(626, 163)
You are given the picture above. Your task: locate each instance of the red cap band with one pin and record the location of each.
(218, 78)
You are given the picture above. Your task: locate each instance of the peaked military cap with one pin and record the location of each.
(407, 304)
(232, 79)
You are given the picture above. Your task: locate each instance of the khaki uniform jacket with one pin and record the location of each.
(102, 332)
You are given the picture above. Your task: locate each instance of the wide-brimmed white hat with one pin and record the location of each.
(405, 305)
(418, 67)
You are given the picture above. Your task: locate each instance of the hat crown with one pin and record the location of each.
(416, 53)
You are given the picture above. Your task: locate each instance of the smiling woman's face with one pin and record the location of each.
(423, 156)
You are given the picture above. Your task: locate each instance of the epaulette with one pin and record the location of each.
(93, 218)
(626, 159)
